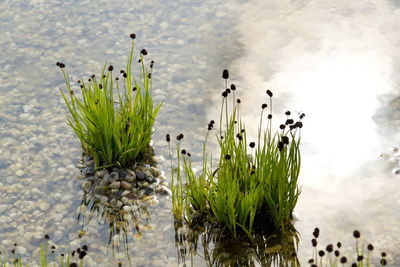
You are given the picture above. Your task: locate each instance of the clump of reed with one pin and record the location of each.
(70, 259)
(113, 122)
(254, 184)
(332, 256)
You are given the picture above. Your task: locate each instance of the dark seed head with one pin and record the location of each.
(133, 36)
(337, 253)
(85, 247)
(100, 86)
(212, 122)
(149, 75)
(269, 93)
(79, 81)
(329, 248)
(89, 80)
(228, 90)
(82, 254)
(117, 78)
(280, 145)
(15, 244)
(121, 71)
(224, 94)
(282, 126)
(285, 140)
(73, 264)
(180, 136)
(53, 247)
(58, 64)
(143, 52)
(321, 253)
(238, 101)
(314, 242)
(189, 155)
(311, 261)
(269, 116)
(62, 65)
(383, 254)
(13, 251)
(298, 124)
(134, 89)
(316, 232)
(227, 157)
(183, 152)
(343, 259)
(110, 68)
(339, 245)
(354, 264)
(370, 247)
(356, 234)
(302, 115)
(239, 136)
(168, 138)
(46, 236)
(287, 113)
(125, 75)
(93, 76)
(289, 121)
(314, 265)
(225, 74)
(252, 144)
(233, 87)
(384, 262)
(360, 257)
(263, 106)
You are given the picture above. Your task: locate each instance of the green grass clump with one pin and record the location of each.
(254, 185)
(113, 122)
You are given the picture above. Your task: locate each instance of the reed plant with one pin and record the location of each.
(331, 256)
(113, 122)
(73, 259)
(254, 184)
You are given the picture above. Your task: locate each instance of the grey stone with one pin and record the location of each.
(140, 176)
(102, 190)
(101, 173)
(122, 173)
(115, 185)
(106, 180)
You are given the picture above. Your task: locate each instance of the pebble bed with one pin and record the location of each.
(42, 188)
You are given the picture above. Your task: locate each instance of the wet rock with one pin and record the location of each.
(130, 177)
(115, 185)
(106, 180)
(125, 192)
(148, 191)
(114, 176)
(102, 190)
(125, 185)
(43, 205)
(101, 173)
(122, 173)
(146, 184)
(162, 190)
(154, 171)
(131, 196)
(140, 176)
(86, 186)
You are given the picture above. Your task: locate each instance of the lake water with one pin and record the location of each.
(337, 61)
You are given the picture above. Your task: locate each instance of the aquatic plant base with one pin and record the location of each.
(117, 187)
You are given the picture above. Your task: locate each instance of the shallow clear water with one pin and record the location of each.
(337, 62)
